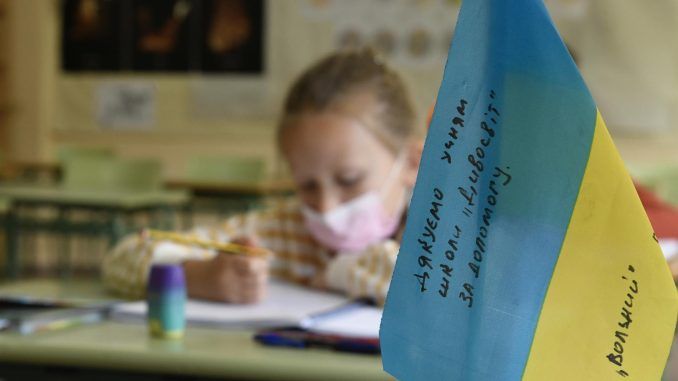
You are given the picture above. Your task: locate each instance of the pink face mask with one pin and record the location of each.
(356, 224)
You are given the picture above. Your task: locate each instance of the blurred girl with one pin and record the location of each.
(348, 133)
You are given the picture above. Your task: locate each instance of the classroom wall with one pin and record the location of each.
(181, 128)
(629, 59)
(54, 109)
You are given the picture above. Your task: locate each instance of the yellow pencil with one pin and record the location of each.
(223, 247)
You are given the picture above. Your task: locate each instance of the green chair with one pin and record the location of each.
(65, 153)
(228, 173)
(137, 175)
(93, 172)
(97, 172)
(225, 169)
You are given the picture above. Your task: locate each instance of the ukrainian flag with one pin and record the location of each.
(527, 254)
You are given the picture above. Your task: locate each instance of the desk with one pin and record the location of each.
(127, 348)
(116, 206)
(225, 189)
(204, 352)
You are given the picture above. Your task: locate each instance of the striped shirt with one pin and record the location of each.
(297, 257)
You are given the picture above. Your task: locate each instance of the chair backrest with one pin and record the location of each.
(84, 171)
(66, 153)
(141, 175)
(95, 172)
(231, 169)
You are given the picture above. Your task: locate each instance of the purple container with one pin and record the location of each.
(166, 298)
(165, 277)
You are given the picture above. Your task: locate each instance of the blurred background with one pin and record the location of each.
(180, 84)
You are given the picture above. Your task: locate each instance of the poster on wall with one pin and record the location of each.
(125, 105)
(215, 36)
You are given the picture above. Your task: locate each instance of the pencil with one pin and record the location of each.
(223, 247)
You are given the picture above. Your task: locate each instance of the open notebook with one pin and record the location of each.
(285, 305)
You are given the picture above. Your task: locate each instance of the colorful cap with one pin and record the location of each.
(166, 277)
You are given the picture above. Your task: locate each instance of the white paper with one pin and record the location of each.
(285, 304)
(669, 247)
(357, 321)
(126, 105)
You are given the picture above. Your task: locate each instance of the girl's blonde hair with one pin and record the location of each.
(331, 82)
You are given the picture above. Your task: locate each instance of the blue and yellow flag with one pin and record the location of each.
(527, 254)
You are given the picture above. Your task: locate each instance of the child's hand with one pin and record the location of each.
(238, 279)
(319, 281)
(228, 278)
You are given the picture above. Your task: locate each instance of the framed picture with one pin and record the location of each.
(90, 38)
(215, 36)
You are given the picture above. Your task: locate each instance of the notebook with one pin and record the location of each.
(355, 320)
(285, 305)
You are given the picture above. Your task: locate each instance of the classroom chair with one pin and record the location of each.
(95, 172)
(228, 177)
(91, 172)
(64, 153)
(225, 169)
(88, 172)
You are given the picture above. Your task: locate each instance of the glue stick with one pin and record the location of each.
(166, 300)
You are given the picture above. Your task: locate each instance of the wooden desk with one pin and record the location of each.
(127, 348)
(115, 207)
